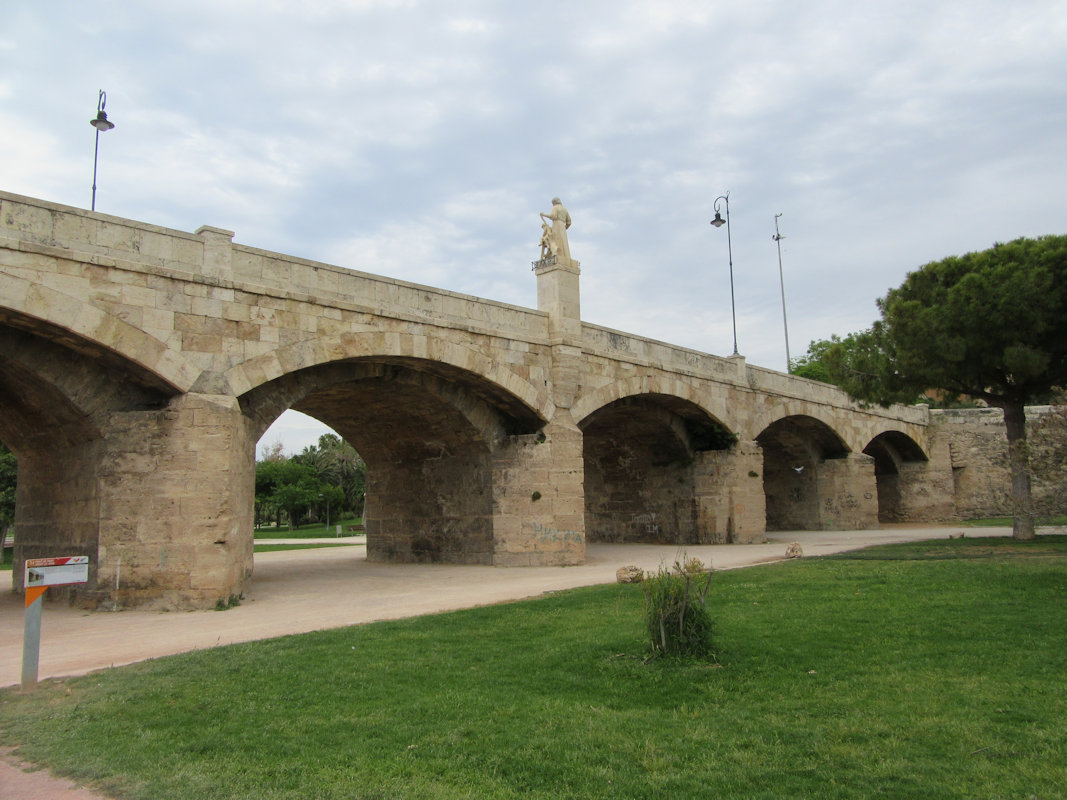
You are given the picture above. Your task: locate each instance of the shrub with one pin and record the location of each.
(676, 612)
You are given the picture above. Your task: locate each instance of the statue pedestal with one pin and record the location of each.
(558, 295)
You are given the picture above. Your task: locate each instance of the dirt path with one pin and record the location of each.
(304, 590)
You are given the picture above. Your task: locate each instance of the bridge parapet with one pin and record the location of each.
(640, 351)
(208, 257)
(781, 384)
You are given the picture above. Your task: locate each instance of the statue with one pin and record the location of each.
(554, 240)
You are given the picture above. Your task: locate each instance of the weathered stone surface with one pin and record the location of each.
(977, 451)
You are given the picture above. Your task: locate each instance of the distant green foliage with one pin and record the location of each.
(325, 480)
(676, 612)
(8, 481)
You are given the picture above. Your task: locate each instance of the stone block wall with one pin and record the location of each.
(731, 505)
(538, 499)
(978, 451)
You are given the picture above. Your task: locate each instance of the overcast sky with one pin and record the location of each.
(420, 139)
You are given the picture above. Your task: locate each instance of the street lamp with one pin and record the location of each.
(781, 280)
(101, 123)
(718, 223)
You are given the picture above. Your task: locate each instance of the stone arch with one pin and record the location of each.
(428, 432)
(795, 449)
(393, 346)
(57, 316)
(59, 397)
(895, 454)
(644, 468)
(663, 386)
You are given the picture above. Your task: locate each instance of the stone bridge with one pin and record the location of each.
(140, 365)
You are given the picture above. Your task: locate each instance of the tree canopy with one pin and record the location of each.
(324, 477)
(991, 325)
(8, 481)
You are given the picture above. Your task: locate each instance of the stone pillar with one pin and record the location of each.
(218, 251)
(558, 295)
(847, 493)
(924, 493)
(162, 505)
(176, 504)
(538, 480)
(538, 499)
(731, 506)
(434, 509)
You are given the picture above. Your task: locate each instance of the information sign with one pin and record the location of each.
(57, 571)
(40, 574)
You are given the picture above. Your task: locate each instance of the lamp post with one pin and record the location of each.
(781, 280)
(718, 223)
(101, 123)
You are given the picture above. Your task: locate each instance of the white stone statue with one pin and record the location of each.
(554, 240)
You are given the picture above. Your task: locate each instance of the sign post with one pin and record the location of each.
(40, 574)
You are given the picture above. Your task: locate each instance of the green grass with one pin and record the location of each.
(270, 548)
(930, 670)
(311, 531)
(1006, 522)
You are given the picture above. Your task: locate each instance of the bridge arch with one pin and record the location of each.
(60, 397)
(643, 458)
(795, 448)
(430, 434)
(58, 316)
(895, 454)
(415, 348)
(660, 385)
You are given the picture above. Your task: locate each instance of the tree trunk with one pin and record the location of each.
(1019, 459)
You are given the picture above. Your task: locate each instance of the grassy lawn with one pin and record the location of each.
(269, 548)
(1006, 522)
(918, 671)
(312, 531)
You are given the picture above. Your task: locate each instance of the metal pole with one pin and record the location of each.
(717, 222)
(96, 153)
(730, 253)
(781, 280)
(31, 645)
(101, 123)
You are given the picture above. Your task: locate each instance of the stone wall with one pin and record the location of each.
(978, 449)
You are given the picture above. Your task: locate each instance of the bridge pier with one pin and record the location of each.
(847, 493)
(159, 503)
(538, 499)
(921, 493)
(731, 505)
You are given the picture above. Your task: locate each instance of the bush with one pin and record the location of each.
(676, 610)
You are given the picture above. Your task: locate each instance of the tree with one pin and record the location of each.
(327, 476)
(825, 358)
(8, 481)
(991, 325)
